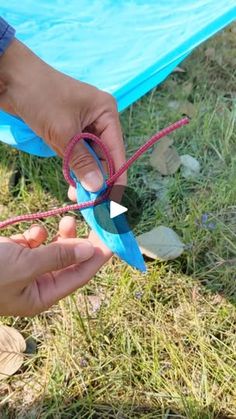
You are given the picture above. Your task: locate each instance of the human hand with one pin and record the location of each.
(36, 275)
(57, 107)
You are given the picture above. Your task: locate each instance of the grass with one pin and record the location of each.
(161, 345)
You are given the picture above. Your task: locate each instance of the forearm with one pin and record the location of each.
(19, 72)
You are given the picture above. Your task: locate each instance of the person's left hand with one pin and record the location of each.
(37, 295)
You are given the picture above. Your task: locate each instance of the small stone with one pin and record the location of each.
(31, 345)
(83, 362)
(204, 218)
(138, 295)
(191, 166)
(211, 226)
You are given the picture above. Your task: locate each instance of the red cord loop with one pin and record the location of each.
(113, 176)
(70, 148)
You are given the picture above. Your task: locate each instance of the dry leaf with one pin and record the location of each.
(191, 166)
(164, 143)
(187, 108)
(12, 346)
(89, 304)
(164, 158)
(95, 302)
(179, 70)
(187, 88)
(184, 107)
(233, 29)
(195, 293)
(166, 163)
(210, 53)
(217, 299)
(161, 243)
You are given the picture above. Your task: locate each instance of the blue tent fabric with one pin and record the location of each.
(117, 236)
(125, 47)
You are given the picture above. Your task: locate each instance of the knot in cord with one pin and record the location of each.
(113, 176)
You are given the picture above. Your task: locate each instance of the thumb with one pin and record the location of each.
(85, 168)
(57, 256)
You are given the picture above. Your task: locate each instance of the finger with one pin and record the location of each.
(72, 191)
(93, 239)
(56, 256)
(6, 240)
(108, 128)
(33, 237)
(19, 239)
(68, 280)
(97, 243)
(85, 168)
(67, 227)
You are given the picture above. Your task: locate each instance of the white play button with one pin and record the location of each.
(116, 209)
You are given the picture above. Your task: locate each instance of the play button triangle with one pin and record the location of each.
(116, 209)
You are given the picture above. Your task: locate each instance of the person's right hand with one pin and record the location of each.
(57, 107)
(35, 276)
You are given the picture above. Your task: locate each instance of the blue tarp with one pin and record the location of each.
(125, 47)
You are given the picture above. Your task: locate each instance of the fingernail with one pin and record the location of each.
(92, 181)
(84, 251)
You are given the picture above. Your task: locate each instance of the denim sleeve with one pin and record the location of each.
(7, 34)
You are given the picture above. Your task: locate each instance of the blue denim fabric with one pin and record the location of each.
(7, 34)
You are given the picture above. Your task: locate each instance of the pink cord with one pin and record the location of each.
(113, 176)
